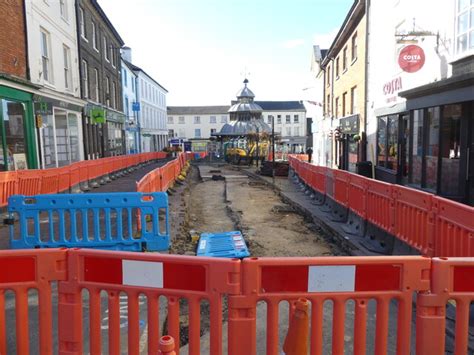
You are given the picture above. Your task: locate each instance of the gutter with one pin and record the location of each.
(28, 75)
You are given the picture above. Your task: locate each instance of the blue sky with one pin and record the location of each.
(199, 50)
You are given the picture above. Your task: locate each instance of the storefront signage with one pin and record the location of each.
(411, 58)
(350, 125)
(98, 115)
(392, 86)
(43, 108)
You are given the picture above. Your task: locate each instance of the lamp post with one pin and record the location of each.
(273, 149)
(258, 156)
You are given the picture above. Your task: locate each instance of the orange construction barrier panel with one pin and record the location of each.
(452, 289)
(414, 222)
(106, 275)
(8, 186)
(20, 272)
(380, 205)
(454, 228)
(29, 182)
(337, 279)
(49, 181)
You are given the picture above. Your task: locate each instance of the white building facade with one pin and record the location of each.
(53, 62)
(314, 95)
(130, 107)
(407, 49)
(152, 115)
(200, 122)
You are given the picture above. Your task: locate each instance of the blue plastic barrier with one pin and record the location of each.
(223, 245)
(99, 221)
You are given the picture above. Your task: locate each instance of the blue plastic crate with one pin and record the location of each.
(223, 245)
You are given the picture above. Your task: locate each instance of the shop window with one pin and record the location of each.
(73, 128)
(62, 145)
(14, 156)
(432, 147)
(387, 142)
(417, 148)
(451, 150)
(464, 26)
(49, 148)
(381, 141)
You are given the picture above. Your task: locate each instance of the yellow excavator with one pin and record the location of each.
(243, 152)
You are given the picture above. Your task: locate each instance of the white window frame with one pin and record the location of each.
(85, 78)
(296, 131)
(106, 50)
(181, 120)
(469, 30)
(197, 119)
(288, 131)
(82, 23)
(107, 91)
(94, 36)
(287, 119)
(64, 10)
(223, 119)
(170, 120)
(212, 119)
(46, 60)
(67, 68)
(196, 130)
(96, 87)
(114, 94)
(296, 118)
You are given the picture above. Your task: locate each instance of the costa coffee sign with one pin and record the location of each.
(392, 86)
(411, 58)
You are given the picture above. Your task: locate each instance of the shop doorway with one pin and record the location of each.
(404, 149)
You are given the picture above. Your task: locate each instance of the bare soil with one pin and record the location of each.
(269, 226)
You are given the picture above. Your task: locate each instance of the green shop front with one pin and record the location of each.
(17, 130)
(103, 132)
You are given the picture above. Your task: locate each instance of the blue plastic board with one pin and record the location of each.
(99, 221)
(223, 245)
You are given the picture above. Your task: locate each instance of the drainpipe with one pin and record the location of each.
(138, 117)
(366, 82)
(28, 75)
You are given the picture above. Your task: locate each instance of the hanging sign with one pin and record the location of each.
(98, 115)
(411, 58)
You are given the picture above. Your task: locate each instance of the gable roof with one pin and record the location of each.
(136, 68)
(107, 21)
(281, 105)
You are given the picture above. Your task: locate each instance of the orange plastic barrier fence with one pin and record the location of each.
(8, 186)
(341, 187)
(454, 228)
(451, 286)
(337, 279)
(97, 289)
(46, 181)
(29, 182)
(431, 224)
(413, 218)
(357, 201)
(152, 275)
(22, 271)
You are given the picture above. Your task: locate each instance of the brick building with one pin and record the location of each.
(344, 89)
(101, 85)
(17, 138)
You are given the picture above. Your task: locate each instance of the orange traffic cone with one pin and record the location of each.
(166, 346)
(296, 342)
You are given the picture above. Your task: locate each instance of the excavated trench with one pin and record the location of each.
(218, 199)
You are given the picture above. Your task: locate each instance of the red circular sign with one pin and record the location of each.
(411, 58)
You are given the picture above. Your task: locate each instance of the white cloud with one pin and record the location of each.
(293, 43)
(324, 40)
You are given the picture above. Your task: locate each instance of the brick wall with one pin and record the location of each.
(12, 38)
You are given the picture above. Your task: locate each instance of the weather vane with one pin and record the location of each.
(245, 73)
